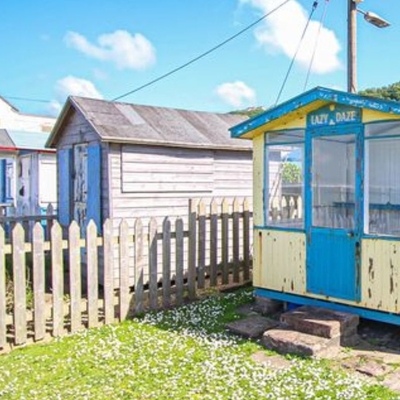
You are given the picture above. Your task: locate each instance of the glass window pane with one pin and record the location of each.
(333, 181)
(383, 187)
(289, 136)
(388, 128)
(285, 186)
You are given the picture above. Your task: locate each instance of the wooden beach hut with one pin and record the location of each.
(333, 239)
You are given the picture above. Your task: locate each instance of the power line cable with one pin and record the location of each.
(316, 43)
(206, 53)
(26, 99)
(314, 7)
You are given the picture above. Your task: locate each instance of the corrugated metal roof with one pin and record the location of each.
(124, 122)
(5, 140)
(23, 140)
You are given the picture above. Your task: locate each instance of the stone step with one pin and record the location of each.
(322, 322)
(287, 341)
(251, 327)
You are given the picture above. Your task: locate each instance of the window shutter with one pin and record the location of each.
(94, 185)
(64, 186)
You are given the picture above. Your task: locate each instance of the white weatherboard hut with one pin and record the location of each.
(119, 160)
(338, 244)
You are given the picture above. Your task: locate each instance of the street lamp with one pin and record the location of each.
(370, 17)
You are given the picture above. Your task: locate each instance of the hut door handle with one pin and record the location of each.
(350, 234)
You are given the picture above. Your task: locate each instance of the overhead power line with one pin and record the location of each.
(321, 22)
(313, 8)
(206, 53)
(26, 99)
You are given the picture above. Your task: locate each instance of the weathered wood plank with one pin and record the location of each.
(225, 241)
(57, 279)
(213, 242)
(75, 279)
(192, 220)
(139, 266)
(179, 259)
(235, 240)
(166, 257)
(19, 277)
(3, 326)
(202, 245)
(39, 282)
(153, 260)
(124, 270)
(108, 254)
(246, 240)
(93, 276)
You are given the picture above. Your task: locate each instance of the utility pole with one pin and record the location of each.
(371, 18)
(352, 47)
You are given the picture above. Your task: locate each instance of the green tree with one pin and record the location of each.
(390, 92)
(291, 173)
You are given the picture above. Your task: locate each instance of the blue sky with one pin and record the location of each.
(105, 48)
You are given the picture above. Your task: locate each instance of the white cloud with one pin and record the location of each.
(120, 47)
(72, 86)
(282, 31)
(236, 93)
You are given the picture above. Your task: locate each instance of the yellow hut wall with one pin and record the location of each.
(280, 256)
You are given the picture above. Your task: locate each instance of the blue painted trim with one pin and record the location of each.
(381, 237)
(379, 121)
(94, 186)
(377, 137)
(65, 187)
(332, 305)
(278, 228)
(318, 93)
(3, 180)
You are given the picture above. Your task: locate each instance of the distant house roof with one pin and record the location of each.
(309, 101)
(23, 140)
(138, 124)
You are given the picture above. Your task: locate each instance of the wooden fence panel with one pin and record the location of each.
(235, 240)
(209, 234)
(225, 241)
(192, 249)
(153, 263)
(139, 266)
(75, 279)
(19, 278)
(39, 282)
(179, 260)
(202, 245)
(3, 293)
(246, 240)
(57, 275)
(213, 243)
(93, 275)
(124, 270)
(166, 252)
(108, 255)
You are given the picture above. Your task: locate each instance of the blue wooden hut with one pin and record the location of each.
(327, 223)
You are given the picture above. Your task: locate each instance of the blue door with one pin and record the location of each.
(334, 208)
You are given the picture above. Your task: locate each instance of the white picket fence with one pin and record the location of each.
(214, 251)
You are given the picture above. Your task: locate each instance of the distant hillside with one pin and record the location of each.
(250, 111)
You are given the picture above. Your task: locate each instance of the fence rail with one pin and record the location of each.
(65, 284)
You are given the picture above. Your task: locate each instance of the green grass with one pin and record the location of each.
(180, 354)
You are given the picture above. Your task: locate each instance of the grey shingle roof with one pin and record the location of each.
(130, 123)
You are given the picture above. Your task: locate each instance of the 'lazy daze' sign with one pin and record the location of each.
(334, 115)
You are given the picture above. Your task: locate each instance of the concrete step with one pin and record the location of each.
(287, 341)
(322, 322)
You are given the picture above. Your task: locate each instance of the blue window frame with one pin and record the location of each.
(284, 179)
